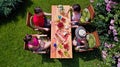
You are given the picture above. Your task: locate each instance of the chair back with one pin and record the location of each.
(26, 46)
(38, 52)
(28, 20)
(97, 39)
(91, 10)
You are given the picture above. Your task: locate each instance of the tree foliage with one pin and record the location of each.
(8, 6)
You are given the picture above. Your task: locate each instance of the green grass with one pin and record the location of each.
(13, 30)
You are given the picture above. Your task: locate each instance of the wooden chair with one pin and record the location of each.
(92, 14)
(40, 52)
(29, 22)
(91, 10)
(97, 42)
(29, 15)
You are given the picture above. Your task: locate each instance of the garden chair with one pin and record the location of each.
(29, 22)
(96, 45)
(90, 15)
(38, 52)
(92, 12)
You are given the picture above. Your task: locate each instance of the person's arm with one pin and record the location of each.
(73, 21)
(41, 28)
(49, 14)
(75, 26)
(68, 11)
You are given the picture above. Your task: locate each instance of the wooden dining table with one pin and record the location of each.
(61, 37)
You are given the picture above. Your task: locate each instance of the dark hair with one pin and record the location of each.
(76, 7)
(27, 38)
(37, 10)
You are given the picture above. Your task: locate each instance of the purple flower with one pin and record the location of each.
(108, 7)
(115, 38)
(114, 32)
(118, 65)
(119, 59)
(109, 45)
(109, 31)
(112, 45)
(111, 27)
(112, 22)
(106, 1)
(104, 54)
(106, 45)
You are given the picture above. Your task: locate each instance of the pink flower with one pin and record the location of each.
(112, 45)
(106, 1)
(109, 31)
(104, 54)
(109, 45)
(115, 38)
(111, 27)
(114, 34)
(108, 7)
(114, 30)
(106, 45)
(118, 65)
(112, 22)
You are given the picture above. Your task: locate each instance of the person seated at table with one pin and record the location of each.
(39, 19)
(80, 41)
(76, 13)
(35, 44)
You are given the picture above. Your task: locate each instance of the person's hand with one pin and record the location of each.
(36, 29)
(50, 22)
(46, 29)
(75, 26)
(66, 15)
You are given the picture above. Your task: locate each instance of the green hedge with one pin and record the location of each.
(8, 6)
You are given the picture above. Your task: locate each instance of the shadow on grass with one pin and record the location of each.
(86, 56)
(91, 55)
(74, 62)
(21, 11)
(46, 58)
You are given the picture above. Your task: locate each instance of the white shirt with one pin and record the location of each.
(76, 16)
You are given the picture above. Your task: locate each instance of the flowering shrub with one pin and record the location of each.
(107, 23)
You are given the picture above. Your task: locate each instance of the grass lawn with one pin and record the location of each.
(12, 32)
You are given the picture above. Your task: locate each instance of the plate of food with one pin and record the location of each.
(80, 32)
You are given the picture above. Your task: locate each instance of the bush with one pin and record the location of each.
(8, 6)
(109, 37)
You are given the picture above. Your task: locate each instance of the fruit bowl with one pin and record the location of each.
(60, 25)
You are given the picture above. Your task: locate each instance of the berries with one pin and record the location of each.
(60, 25)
